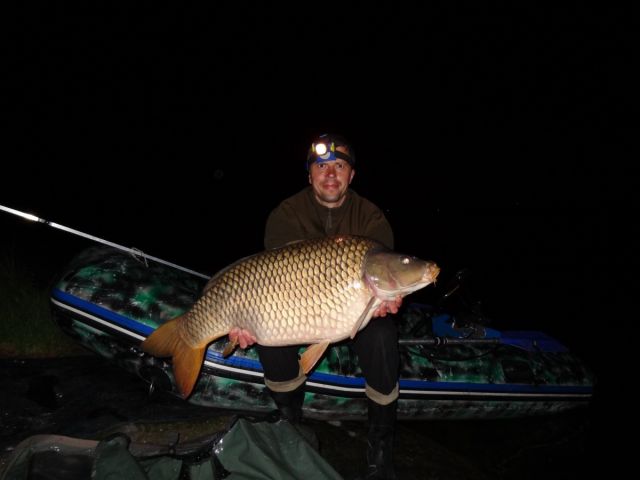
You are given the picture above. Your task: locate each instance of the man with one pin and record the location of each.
(328, 207)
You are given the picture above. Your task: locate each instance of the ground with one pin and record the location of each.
(85, 397)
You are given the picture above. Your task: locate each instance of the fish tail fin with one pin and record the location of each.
(166, 341)
(186, 367)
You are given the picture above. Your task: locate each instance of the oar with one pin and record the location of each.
(530, 341)
(448, 341)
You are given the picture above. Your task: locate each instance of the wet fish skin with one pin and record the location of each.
(311, 292)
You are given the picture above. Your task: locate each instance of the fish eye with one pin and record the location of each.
(406, 260)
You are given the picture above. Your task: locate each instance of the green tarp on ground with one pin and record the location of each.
(271, 451)
(248, 451)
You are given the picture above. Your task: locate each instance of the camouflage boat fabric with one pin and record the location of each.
(109, 301)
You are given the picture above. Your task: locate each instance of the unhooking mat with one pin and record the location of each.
(249, 450)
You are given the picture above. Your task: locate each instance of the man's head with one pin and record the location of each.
(330, 163)
(325, 148)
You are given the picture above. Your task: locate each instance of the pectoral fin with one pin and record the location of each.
(361, 319)
(230, 347)
(311, 355)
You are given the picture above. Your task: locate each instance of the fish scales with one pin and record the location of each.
(285, 295)
(310, 292)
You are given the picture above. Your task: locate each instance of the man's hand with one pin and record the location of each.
(241, 336)
(389, 306)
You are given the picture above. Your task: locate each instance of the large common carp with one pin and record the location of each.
(310, 292)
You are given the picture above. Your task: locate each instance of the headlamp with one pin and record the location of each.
(325, 150)
(320, 148)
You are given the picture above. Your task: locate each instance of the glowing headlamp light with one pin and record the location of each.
(325, 150)
(320, 149)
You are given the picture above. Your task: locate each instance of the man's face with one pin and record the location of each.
(330, 180)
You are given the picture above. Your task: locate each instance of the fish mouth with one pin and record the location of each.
(431, 273)
(429, 276)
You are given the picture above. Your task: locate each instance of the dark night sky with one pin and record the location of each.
(492, 137)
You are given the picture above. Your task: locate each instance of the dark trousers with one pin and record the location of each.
(376, 347)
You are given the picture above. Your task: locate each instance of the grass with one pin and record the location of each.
(27, 329)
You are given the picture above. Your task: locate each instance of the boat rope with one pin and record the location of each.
(133, 251)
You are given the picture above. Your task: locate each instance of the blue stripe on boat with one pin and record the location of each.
(340, 380)
(86, 306)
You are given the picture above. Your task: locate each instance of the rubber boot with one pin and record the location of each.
(290, 408)
(380, 437)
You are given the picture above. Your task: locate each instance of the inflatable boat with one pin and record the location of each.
(451, 366)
